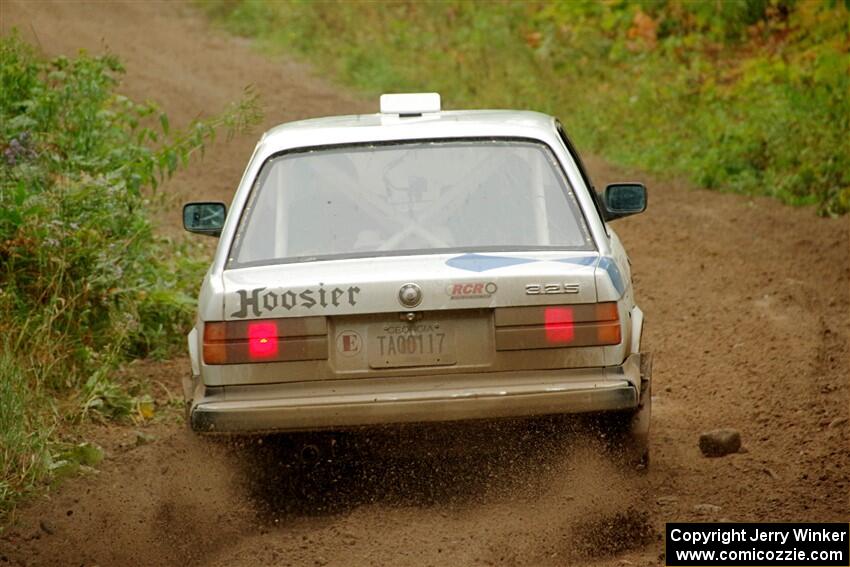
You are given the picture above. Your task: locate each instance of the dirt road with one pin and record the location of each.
(747, 305)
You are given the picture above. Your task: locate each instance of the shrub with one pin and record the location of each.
(85, 282)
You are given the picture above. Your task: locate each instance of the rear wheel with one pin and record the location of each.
(629, 432)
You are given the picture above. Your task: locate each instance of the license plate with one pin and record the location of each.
(422, 343)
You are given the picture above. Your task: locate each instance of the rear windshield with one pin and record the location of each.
(409, 198)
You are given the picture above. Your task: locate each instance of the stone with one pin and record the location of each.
(720, 442)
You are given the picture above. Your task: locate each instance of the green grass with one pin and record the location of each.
(748, 96)
(86, 284)
(24, 434)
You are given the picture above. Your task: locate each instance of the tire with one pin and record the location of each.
(630, 431)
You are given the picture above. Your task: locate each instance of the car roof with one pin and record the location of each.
(387, 127)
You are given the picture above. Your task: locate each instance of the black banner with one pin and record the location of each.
(742, 545)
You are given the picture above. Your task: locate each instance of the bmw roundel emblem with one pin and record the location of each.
(410, 295)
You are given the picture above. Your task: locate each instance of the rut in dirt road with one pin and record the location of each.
(747, 308)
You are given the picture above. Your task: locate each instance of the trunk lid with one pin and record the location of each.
(372, 285)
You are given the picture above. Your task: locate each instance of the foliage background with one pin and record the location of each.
(85, 282)
(751, 96)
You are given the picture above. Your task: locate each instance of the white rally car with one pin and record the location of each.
(417, 265)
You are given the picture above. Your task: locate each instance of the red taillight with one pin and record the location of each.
(558, 322)
(267, 340)
(262, 340)
(557, 326)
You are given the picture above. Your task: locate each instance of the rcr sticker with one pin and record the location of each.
(349, 343)
(471, 290)
(261, 300)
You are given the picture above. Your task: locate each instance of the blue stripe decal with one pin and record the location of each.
(610, 266)
(581, 260)
(482, 263)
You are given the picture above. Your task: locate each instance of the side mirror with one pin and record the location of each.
(624, 199)
(204, 218)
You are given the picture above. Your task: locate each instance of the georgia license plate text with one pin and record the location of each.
(412, 345)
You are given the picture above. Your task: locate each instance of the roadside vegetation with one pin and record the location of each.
(85, 282)
(748, 96)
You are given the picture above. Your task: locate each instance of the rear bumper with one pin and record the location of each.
(353, 403)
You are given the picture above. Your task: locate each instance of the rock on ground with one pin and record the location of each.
(720, 442)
